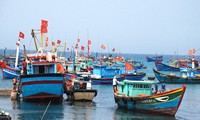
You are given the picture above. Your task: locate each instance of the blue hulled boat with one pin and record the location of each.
(163, 67)
(137, 96)
(155, 58)
(135, 76)
(187, 76)
(103, 74)
(8, 72)
(44, 79)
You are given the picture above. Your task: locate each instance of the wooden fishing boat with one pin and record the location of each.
(97, 81)
(11, 65)
(80, 90)
(103, 74)
(132, 74)
(8, 72)
(163, 67)
(137, 96)
(189, 78)
(44, 80)
(155, 58)
(135, 76)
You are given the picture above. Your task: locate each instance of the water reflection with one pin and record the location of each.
(35, 110)
(125, 114)
(84, 103)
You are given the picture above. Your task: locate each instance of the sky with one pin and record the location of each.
(129, 26)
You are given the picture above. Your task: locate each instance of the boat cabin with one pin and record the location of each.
(106, 71)
(44, 67)
(135, 88)
(82, 85)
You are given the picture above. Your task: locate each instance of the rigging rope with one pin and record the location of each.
(46, 110)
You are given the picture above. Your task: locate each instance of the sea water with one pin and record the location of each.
(102, 107)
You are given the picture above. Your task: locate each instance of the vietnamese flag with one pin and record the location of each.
(44, 29)
(128, 66)
(120, 58)
(82, 48)
(58, 41)
(21, 35)
(44, 23)
(103, 46)
(89, 42)
(53, 44)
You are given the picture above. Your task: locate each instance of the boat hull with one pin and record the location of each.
(97, 81)
(137, 76)
(42, 86)
(9, 74)
(149, 59)
(84, 95)
(165, 78)
(166, 103)
(163, 67)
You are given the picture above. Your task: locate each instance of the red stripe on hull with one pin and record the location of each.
(43, 96)
(42, 82)
(167, 111)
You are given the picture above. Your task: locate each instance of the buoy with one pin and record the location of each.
(13, 95)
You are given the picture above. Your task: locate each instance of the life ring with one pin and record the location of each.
(40, 52)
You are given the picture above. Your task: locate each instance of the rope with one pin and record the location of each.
(45, 110)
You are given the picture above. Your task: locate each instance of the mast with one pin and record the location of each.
(17, 53)
(5, 54)
(25, 54)
(88, 45)
(34, 37)
(63, 50)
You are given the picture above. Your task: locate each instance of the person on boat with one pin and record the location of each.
(24, 67)
(69, 89)
(14, 81)
(156, 88)
(115, 84)
(163, 87)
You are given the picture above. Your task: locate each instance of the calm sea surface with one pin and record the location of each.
(103, 106)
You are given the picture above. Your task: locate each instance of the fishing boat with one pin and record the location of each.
(131, 73)
(43, 73)
(187, 76)
(155, 58)
(135, 76)
(163, 67)
(44, 79)
(9, 72)
(80, 90)
(137, 96)
(103, 74)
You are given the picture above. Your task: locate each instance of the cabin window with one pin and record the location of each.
(67, 68)
(41, 69)
(35, 69)
(49, 69)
